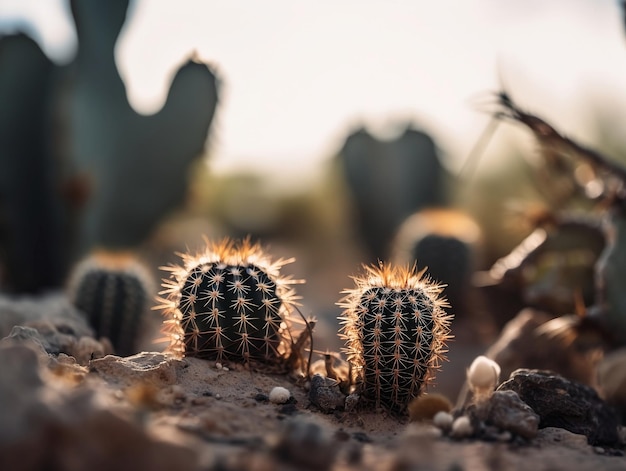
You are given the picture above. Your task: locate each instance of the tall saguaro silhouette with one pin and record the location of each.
(87, 148)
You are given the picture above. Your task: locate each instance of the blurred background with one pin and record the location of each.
(335, 132)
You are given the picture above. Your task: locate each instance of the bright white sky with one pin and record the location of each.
(299, 74)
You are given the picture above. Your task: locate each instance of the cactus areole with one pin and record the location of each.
(395, 330)
(229, 303)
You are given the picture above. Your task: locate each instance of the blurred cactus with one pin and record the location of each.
(140, 164)
(229, 302)
(31, 207)
(388, 181)
(80, 167)
(395, 330)
(114, 291)
(447, 243)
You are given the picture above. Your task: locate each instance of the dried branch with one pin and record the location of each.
(547, 135)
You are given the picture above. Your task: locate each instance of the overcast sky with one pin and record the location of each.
(299, 74)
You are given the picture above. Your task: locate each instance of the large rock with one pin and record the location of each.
(53, 309)
(146, 367)
(507, 412)
(46, 423)
(562, 403)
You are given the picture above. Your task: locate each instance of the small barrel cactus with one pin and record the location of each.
(395, 330)
(114, 291)
(229, 302)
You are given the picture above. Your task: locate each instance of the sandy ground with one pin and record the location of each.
(223, 419)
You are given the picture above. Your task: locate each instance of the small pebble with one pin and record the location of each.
(462, 427)
(279, 395)
(218, 366)
(225, 368)
(351, 402)
(260, 397)
(443, 420)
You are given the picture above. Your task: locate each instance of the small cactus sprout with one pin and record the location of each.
(113, 289)
(395, 329)
(229, 302)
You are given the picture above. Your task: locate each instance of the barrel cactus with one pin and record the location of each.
(229, 302)
(114, 290)
(395, 329)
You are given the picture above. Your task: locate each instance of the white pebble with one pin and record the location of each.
(462, 427)
(279, 395)
(443, 420)
(218, 366)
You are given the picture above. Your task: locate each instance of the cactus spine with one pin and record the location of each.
(112, 290)
(395, 330)
(229, 303)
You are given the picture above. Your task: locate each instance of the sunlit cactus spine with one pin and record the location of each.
(395, 329)
(114, 290)
(229, 302)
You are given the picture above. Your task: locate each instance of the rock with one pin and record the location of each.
(562, 403)
(50, 424)
(73, 432)
(54, 308)
(508, 412)
(86, 349)
(20, 384)
(521, 346)
(562, 437)
(49, 339)
(279, 395)
(462, 427)
(306, 445)
(146, 367)
(67, 367)
(443, 420)
(23, 334)
(325, 394)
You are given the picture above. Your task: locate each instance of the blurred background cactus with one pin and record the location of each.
(33, 211)
(140, 164)
(81, 168)
(390, 180)
(115, 292)
(447, 242)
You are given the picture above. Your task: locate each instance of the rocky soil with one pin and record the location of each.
(65, 404)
